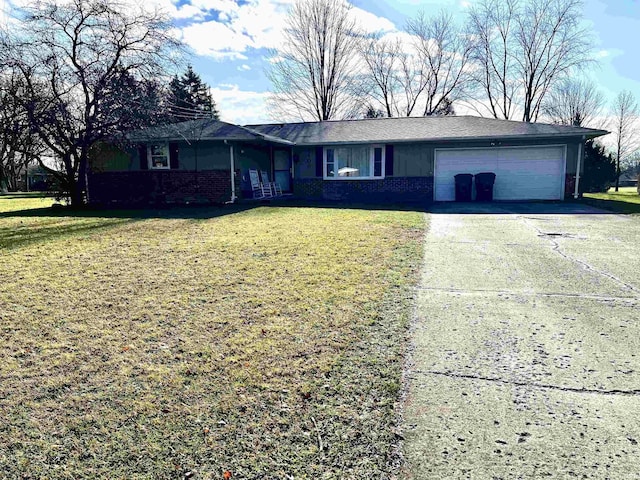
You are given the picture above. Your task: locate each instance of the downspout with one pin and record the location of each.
(576, 193)
(233, 173)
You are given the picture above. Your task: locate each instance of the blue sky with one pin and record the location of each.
(231, 41)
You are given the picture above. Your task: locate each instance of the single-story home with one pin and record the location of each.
(629, 178)
(382, 160)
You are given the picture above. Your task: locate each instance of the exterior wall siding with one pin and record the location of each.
(202, 156)
(416, 159)
(304, 162)
(159, 187)
(389, 189)
(249, 158)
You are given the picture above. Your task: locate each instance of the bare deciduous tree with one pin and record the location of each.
(491, 24)
(313, 73)
(445, 54)
(624, 123)
(394, 75)
(574, 102)
(19, 147)
(382, 58)
(523, 48)
(78, 59)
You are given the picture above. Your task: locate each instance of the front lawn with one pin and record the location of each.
(625, 200)
(266, 342)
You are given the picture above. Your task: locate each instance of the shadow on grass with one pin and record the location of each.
(583, 207)
(616, 206)
(19, 236)
(194, 212)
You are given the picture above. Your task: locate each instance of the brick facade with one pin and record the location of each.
(569, 185)
(159, 187)
(389, 189)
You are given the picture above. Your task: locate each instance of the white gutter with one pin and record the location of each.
(576, 193)
(233, 173)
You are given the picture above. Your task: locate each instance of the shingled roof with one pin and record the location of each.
(382, 130)
(203, 129)
(411, 129)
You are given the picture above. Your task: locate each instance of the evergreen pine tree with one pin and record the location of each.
(190, 97)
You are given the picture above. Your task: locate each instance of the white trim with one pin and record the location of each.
(576, 192)
(150, 163)
(372, 150)
(496, 147)
(233, 172)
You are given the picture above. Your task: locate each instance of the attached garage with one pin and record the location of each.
(522, 173)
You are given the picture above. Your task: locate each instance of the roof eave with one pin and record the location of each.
(266, 138)
(589, 135)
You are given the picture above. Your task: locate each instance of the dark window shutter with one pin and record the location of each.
(388, 161)
(144, 161)
(173, 156)
(318, 161)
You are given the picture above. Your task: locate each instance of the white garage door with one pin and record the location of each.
(531, 173)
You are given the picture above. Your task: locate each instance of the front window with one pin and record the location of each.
(353, 162)
(158, 155)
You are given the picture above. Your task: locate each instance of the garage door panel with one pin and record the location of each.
(451, 162)
(529, 173)
(548, 167)
(527, 187)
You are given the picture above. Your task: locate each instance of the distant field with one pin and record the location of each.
(265, 342)
(626, 200)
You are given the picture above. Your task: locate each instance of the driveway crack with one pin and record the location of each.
(613, 392)
(482, 291)
(556, 248)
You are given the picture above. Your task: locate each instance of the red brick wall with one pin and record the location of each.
(569, 185)
(159, 187)
(389, 189)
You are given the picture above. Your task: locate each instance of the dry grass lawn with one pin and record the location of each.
(265, 342)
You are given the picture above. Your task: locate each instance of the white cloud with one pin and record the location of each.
(240, 106)
(465, 4)
(199, 36)
(4, 11)
(244, 67)
(188, 12)
(370, 22)
(602, 54)
(257, 24)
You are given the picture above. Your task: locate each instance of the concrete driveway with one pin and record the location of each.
(526, 358)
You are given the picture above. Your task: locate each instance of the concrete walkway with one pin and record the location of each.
(526, 359)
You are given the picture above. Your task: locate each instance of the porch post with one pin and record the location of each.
(233, 173)
(576, 193)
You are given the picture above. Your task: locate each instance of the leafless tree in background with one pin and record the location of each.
(523, 48)
(383, 59)
(79, 60)
(445, 54)
(429, 73)
(313, 73)
(491, 24)
(625, 127)
(19, 146)
(574, 102)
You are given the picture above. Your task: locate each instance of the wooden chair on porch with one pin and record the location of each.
(273, 186)
(258, 188)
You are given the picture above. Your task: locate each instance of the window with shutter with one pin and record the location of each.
(158, 156)
(354, 162)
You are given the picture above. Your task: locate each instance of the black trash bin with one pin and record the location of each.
(464, 185)
(484, 186)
